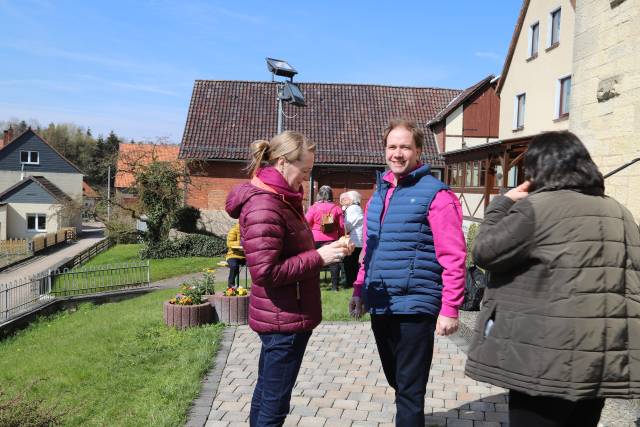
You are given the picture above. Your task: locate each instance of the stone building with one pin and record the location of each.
(605, 104)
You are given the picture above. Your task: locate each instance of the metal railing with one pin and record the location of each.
(23, 295)
(100, 278)
(88, 253)
(626, 165)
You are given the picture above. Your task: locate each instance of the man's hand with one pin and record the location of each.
(520, 192)
(446, 326)
(356, 308)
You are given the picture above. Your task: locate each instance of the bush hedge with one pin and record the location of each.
(186, 219)
(191, 245)
(121, 232)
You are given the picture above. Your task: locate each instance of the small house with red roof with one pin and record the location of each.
(133, 156)
(345, 121)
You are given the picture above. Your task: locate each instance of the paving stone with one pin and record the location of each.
(304, 411)
(341, 384)
(345, 404)
(336, 422)
(333, 413)
(459, 423)
(355, 415)
(312, 422)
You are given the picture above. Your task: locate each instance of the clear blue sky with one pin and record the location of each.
(130, 65)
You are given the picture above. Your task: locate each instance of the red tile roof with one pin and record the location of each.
(345, 120)
(88, 191)
(131, 155)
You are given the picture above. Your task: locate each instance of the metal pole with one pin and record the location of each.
(279, 107)
(109, 193)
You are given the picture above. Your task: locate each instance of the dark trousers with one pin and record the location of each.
(333, 268)
(405, 345)
(544, 411)
(234, 271)
(351, 266)
(280, 360)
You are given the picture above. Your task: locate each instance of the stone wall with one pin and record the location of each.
(605, 102)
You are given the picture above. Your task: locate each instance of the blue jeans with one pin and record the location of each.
(280, 360)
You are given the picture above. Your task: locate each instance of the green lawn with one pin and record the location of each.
(160, 268)
(114, 364)
(335, 305)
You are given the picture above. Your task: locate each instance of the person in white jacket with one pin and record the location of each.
(353, 219)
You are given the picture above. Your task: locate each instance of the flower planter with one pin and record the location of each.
(185, 316)
(231, 310)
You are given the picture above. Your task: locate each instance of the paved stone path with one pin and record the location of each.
(53, 257)
(341, 383)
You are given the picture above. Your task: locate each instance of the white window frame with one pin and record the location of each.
(29, 155)
(531, 40)
(550, 26)
(557, 113)
(37, 216)
(515, 110)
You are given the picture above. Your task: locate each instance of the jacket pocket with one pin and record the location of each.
(483, 328)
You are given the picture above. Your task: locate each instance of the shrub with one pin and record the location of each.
(471, 235)
(186, 219)
(191, 245)
(121, 232)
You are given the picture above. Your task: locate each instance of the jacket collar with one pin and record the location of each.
(385, 178)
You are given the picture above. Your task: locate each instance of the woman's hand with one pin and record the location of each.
(520, 192)
(334, 252)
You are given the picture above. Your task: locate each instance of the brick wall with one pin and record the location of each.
(605, 100)
(210, 182)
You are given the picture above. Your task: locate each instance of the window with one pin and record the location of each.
(29, 157)
(36, 222)
(554, 28)
(518, 116)
(453, 175)
(564, 96)
(468, 178)
(474, 175)
(534, 36)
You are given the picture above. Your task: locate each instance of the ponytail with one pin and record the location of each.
(259, 150)
(287, 144)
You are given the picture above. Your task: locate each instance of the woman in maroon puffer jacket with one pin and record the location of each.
(284, 265)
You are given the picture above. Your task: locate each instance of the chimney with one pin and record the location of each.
(7, 137)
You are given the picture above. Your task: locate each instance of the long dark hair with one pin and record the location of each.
(559, 160)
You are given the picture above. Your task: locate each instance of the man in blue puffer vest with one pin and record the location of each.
(412, 275)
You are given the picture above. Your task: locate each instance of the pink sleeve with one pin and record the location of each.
(445, 218)
(340, 216)
(357, 285)
(309, 215)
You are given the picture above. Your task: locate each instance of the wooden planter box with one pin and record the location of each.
(231, 310)
(185, 316)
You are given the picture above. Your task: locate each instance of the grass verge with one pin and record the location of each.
(335, 304)
(160, 268)
(113, 364)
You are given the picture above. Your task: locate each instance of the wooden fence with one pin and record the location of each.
(27, 294)
(87, 254)
(14, 250)
(43, 241)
